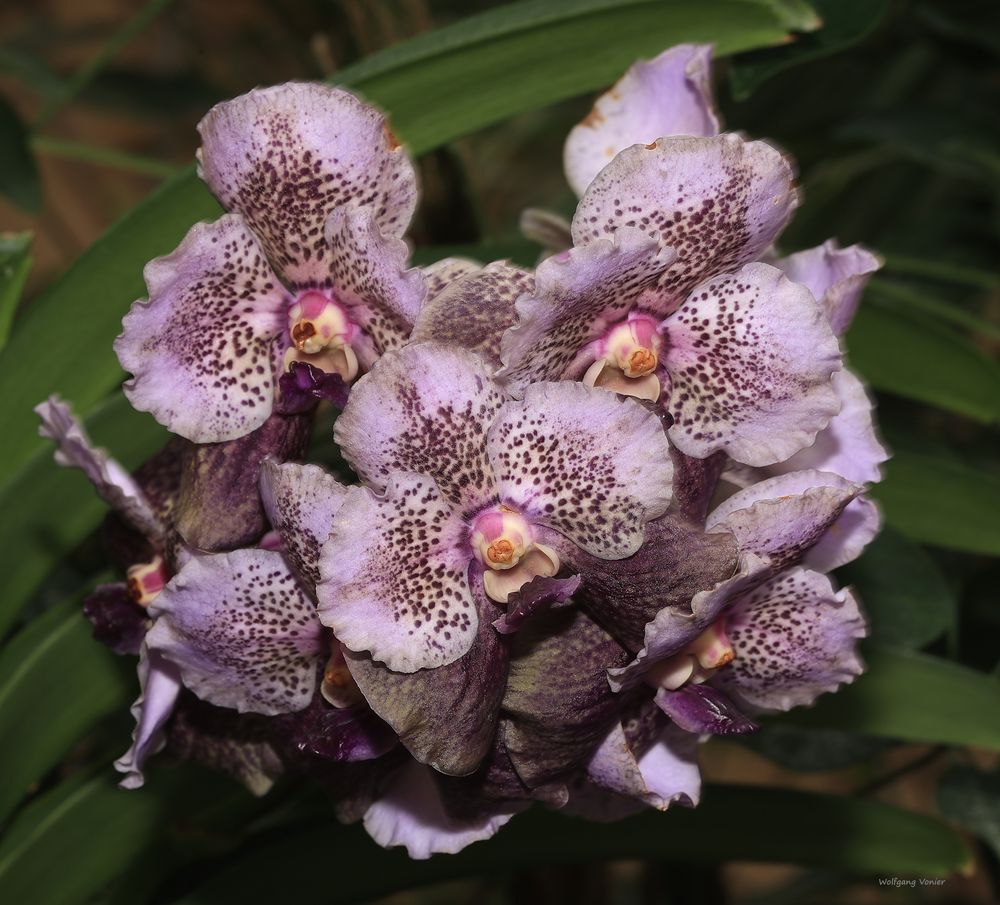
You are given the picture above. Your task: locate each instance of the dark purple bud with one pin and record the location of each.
(703, 709)
(537, 596)
(219, 506)
(119, 622)
(695, 481)
(303, 385)
(337, 734)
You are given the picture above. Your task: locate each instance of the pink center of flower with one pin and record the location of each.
(698, 662)
(146, 580)
(503, 541)
(627, 357)
(321, 334)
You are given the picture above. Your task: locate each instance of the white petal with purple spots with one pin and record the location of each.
(286, 156)
(718, 202)
(426, 409)
(301, 502)
(794, 639)
(578, 295)
(591, 465)
(395, 576)
(242, 631)
(200, 348)
(750, 357)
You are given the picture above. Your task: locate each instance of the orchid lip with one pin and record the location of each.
(628, 359)
(697, 662)
(321, 333)
(503, 541)
(146, 580)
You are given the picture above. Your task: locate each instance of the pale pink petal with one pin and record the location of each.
(160, 685)
(668, 95)
(111, 480)
(286, 156)
(786, 517)
(750, 357)
(718, 202)
(836, 276)
(848, 445)
(395, 576)
(201, 347)
(411, 814)
(585, 462)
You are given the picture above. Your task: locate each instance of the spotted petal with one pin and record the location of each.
(805, 515)
(836, 276)
(441, 274)
(412, 814)
(370, 276)
(668, 95)
(473, 311)
(794, 639)
(591, 465)
(718, 202)
(446, 717)
(425, 408)
(160, 684)
(301, 502)
(200, 348)
(750, 357)
(242, 632)
(395, 576)
(848, 445)
(111, 480)
(578, 295)
(286, 156)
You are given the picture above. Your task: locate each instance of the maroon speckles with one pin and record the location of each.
(794, 638)
(591, 465)
(395, 577)
(286, 157)
(242, 631)
(201, 347)
(718, 202)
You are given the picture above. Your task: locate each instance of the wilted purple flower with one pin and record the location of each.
(306, 269)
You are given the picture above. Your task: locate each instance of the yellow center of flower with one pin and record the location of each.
(146, 580)
(503, 541)
(321, 334)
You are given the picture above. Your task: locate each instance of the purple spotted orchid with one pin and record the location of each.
(294, 291)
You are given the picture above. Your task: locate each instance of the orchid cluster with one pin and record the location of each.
(595, 503)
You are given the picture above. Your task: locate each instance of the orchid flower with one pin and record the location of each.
(303, 277)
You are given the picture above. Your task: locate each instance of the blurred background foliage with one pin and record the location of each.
(890, 108)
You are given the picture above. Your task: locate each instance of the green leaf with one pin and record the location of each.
(733, 823)
(15, 262)
(842, 23)
(805, 749)
(915, 697)
(896, 297)
(437, 87)
(972, 798)
(55, 683)
(903, 591)
(52, 508)
(75, 839)
(18, 173)
(939, 502)
(914, 355)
